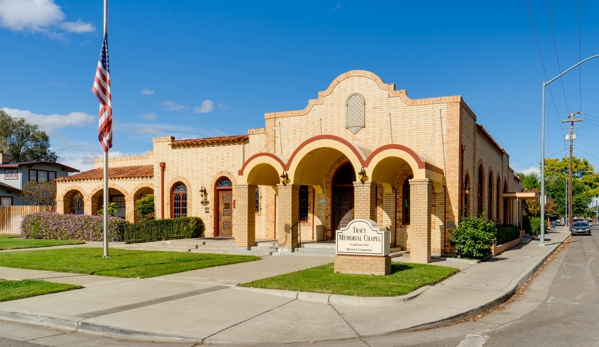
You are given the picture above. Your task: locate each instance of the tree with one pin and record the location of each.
(530, 181)
(145, 206)
(112, 210)
(23, 141)
(39, 193)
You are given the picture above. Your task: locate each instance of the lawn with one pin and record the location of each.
(13, 290)
(122, 263)
(15, 242)
(404, 278)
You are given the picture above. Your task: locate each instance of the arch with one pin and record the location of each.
(257, 165)
(490, 195)
(74, 201)
(222, 188)
(342, 194)
(113, 186)
(141, 188)
(96, 198)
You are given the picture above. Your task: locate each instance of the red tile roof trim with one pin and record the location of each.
(145, 171)
(211, 140)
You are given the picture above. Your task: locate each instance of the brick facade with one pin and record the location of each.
(433, 144)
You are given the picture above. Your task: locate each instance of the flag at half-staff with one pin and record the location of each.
(102, 90)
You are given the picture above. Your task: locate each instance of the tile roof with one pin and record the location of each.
(144, 171)
(491, 139)
(210, 140)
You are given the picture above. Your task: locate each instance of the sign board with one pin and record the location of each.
(364, 237)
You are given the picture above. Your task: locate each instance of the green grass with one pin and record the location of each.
(13, 290)
(15, 242)
(404, 278)
(122, 263)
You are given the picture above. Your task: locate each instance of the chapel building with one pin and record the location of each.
(362, 149)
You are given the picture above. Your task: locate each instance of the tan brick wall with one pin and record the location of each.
(362, 265)
(420, 226)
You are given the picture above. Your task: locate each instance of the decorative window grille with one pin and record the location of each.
(356, 113)
(303, 203)
(224, 182)
(257, 200)
(179, 200)
(406, 201)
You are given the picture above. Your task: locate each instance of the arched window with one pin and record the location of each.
(479, 192)
(179, 200)
(490, 196)
(303, 203)
(466, 207)
(406, 201)
(356, 113)
(497, 197)
(506, 210)
(224, 182)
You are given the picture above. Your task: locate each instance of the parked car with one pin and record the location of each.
(580, 227)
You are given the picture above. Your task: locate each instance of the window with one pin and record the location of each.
(257, 200)
(498, 194)
(303, 203)
(406, 201)
(479, 192)
(490, 197)
(179, 201)
(42, 175)
(355, 109)
(11, 174)
(224, 182)
(466, 208)
(5, 201)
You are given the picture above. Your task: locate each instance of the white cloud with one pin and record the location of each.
(337, 7)
(207, 106)
(223, 106)
(77, 27)
(38, 16)
(51, 122)
(170, 105)
(149, 116)
(534, 170)
(147, 92)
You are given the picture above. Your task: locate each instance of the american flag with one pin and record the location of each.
(102, 90)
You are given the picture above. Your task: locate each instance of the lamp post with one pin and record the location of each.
(545, 84)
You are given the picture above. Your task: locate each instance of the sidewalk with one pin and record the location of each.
(205, 306)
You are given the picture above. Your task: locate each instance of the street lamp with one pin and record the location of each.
(545, 84)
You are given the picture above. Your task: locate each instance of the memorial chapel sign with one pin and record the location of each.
(363, 237)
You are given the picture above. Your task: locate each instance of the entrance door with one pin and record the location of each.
(343, 207)
(225, 213)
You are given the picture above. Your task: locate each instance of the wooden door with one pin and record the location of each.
(225, 213)
(343, 207)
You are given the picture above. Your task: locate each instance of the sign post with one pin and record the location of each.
(362, 247)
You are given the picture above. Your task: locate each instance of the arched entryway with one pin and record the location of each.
(223, 192)
(115, 196)
(342, 192)
(73, 202)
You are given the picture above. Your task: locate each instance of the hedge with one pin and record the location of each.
(164, 229)
(55, 226)
(507, 233)
(473, 238)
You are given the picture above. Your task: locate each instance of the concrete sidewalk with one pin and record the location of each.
(206, 306)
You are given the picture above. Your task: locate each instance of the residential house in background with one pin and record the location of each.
(13, 177)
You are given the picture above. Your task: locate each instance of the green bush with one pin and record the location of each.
(54, 226)
(473, 238)
(145, 206)
(507, 233)
(149, 230)
(535, 226)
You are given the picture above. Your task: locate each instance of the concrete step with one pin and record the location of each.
(302, 254)
(316, 250)
(319, 245)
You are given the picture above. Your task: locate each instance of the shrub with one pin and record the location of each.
(149, 230)
(507, 233)
(145, 206)
(473, 238)
(535, 226)
(526, 225)
(55, 226)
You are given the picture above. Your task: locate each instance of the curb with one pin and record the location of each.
(335, 299)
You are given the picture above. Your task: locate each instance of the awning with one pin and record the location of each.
(520, 195)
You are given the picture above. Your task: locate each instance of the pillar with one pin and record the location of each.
(287, 216)
(365, 200)
(420, 220)
(130, 208)
(244, 226)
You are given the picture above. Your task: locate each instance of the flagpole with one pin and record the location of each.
(106, 160)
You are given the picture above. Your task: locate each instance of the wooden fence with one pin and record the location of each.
(12, 216)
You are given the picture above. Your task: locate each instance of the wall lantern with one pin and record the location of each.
(284, 178)
(204, 194)
(362, 175)
(466, 189)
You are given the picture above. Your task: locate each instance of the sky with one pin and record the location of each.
(193, 69)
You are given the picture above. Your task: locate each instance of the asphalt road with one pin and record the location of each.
(558, 308)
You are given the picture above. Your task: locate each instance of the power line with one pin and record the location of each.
(532, 162)
(534, 30)
(589, 154)
(557, 55)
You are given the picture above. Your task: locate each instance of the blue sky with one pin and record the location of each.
(197, 68)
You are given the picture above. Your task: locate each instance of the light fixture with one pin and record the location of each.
(204, 194)
(362, 175)
(466, 189)
(284, 178)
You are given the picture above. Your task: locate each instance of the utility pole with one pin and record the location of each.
(571, 137)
